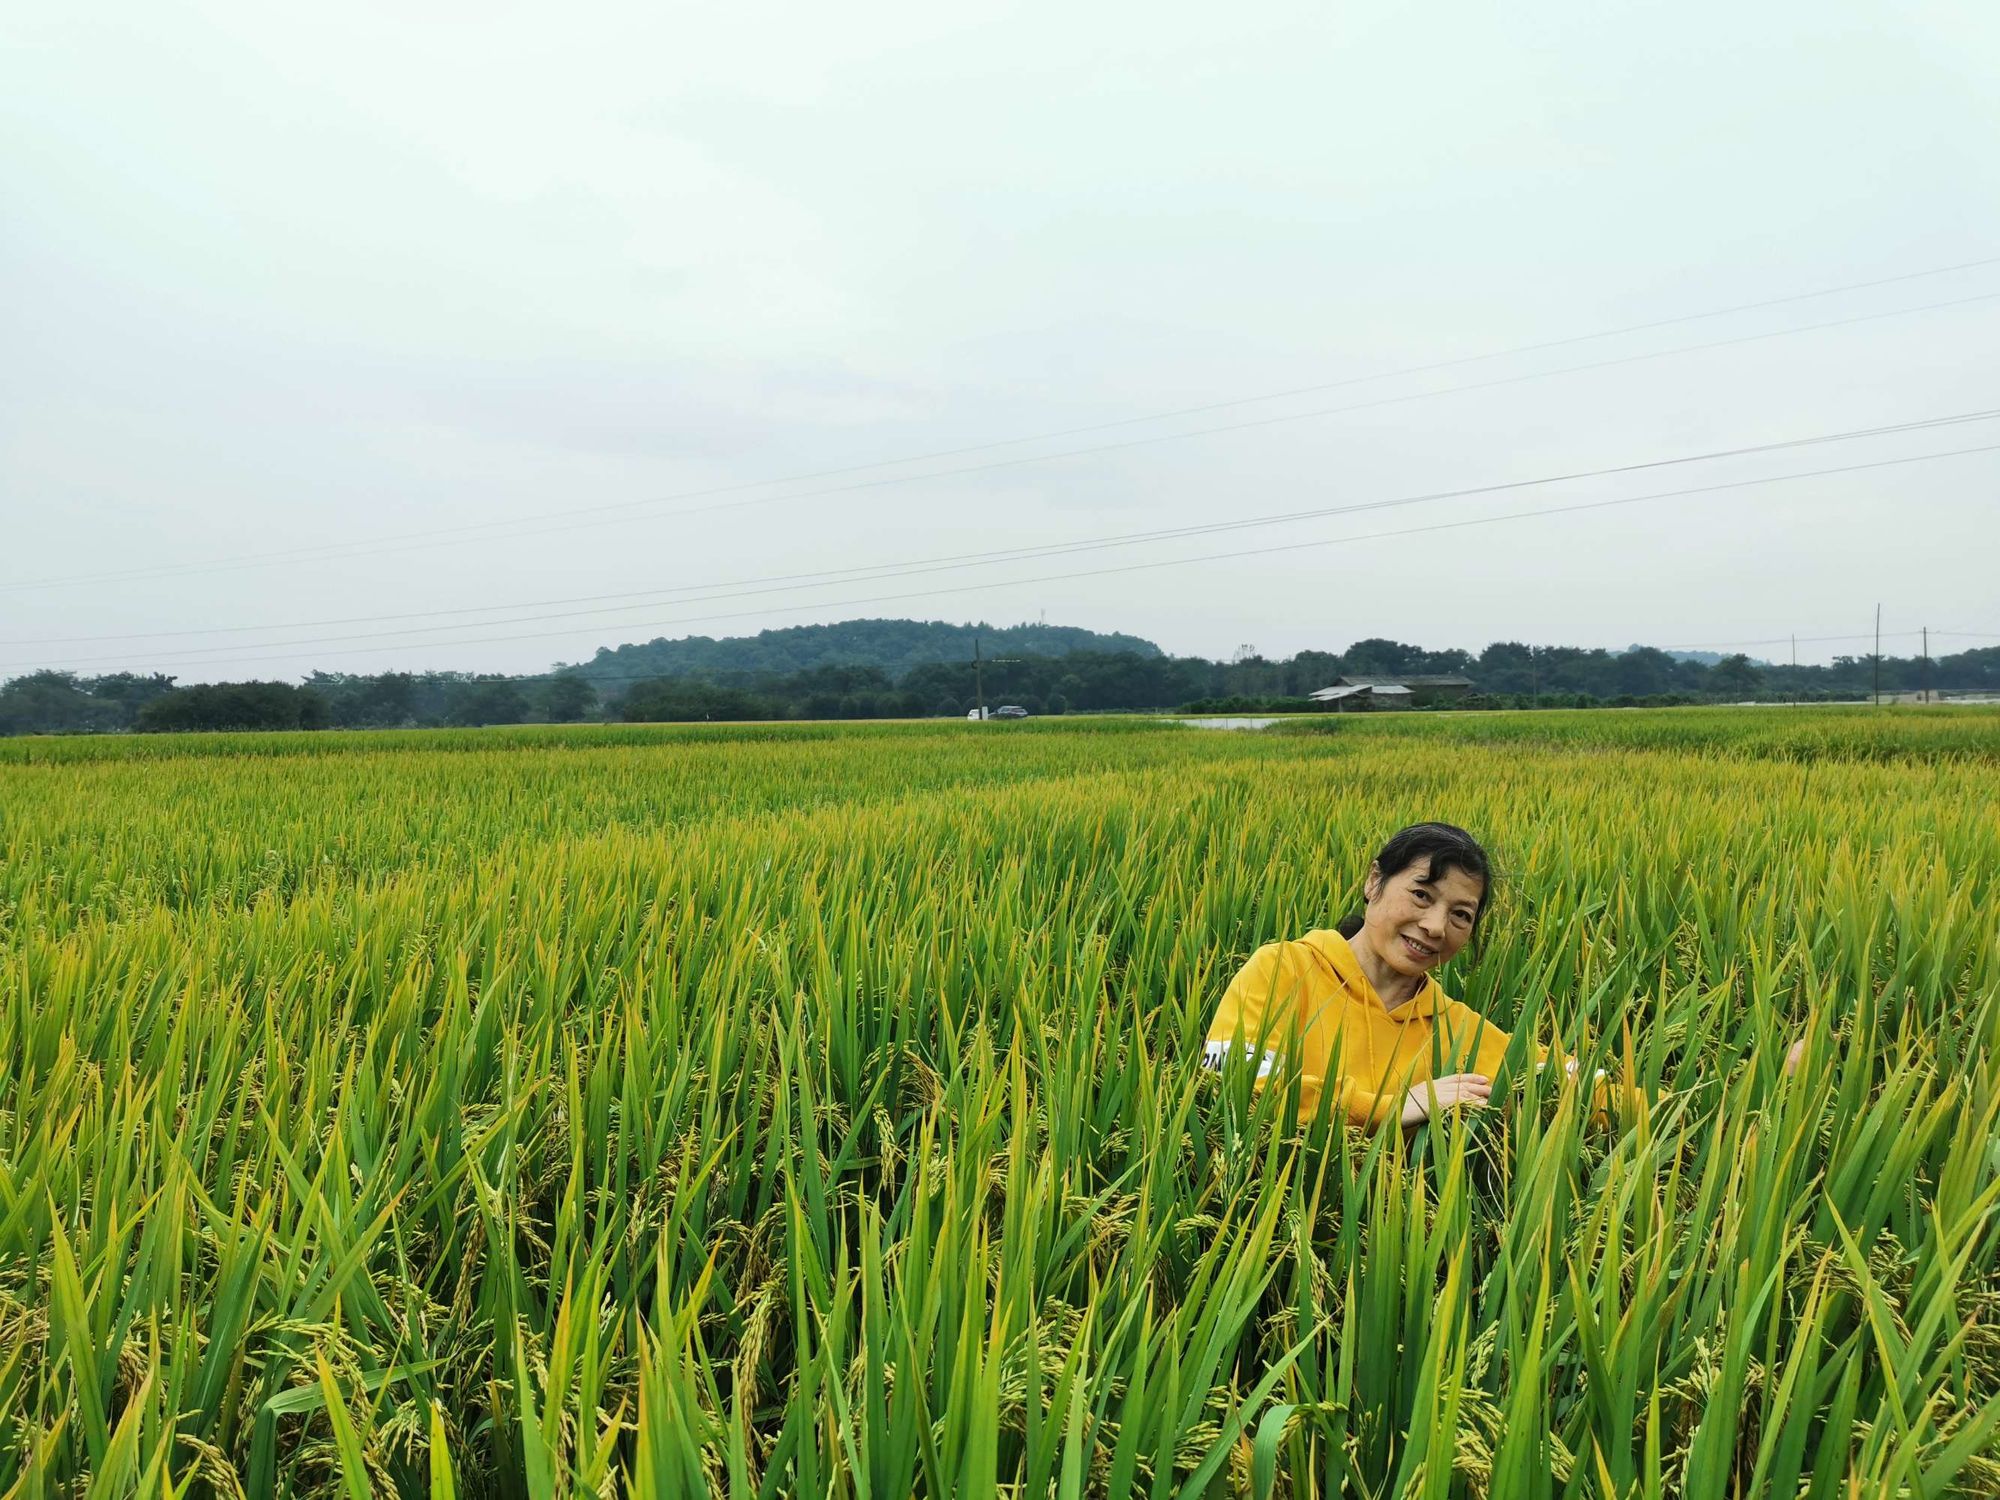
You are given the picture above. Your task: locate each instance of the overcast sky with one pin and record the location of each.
(357, 282)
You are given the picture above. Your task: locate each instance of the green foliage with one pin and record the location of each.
(893, 646)
(64, 703)
(1735, 677)
(669, 701)
(759, 1110)
(873, 669)
(471, 704)
(233, 705)
(567, 698)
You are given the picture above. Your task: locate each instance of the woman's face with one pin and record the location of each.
(1415, 923)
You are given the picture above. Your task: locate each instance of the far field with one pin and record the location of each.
(803, 1110)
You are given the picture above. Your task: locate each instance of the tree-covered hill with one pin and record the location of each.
(895, 646)
(1040, 668)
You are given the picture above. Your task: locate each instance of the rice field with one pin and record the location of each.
(817, 1111)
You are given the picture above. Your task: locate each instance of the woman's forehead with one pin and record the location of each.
(1454, 884)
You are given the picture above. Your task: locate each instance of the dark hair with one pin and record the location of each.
(1447, 847)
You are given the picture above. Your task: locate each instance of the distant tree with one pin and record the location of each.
(763, 677)
(568, 698)
(1447, 663)
(52, 703)
(895, 647)
(1735, 677)
(1642, 670)
(477, 703)
(1977, 668)
(234, 706)
(1379, 657)
(128, 692)
(1507, 667)
(1572, 669)
(390, 699)
(676, 700)
(357, 700)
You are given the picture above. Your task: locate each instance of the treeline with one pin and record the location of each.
(896, 646)
(64, 703)
(1505, 674)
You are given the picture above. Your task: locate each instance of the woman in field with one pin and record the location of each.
(1354, 1010)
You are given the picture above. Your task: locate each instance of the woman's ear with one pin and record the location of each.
(1372, 887)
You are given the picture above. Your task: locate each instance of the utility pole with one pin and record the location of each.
(1877, 691)
(979, 674)
(1925, 681)
(1795, 669)
(1535, 674)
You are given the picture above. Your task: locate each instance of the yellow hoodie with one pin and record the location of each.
(1306, 1006)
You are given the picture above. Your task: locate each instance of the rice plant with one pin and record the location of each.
(566, 1113)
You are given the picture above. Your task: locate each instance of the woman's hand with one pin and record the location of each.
(1470, 1089)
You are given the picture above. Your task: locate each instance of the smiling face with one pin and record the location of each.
(1415, 922)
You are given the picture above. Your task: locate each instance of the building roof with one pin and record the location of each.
(1385, 687)
(1408, 680)
(1360, 689)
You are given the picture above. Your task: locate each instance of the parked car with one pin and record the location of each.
(1010, 711)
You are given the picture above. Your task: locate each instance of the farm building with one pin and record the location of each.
(1391, 692)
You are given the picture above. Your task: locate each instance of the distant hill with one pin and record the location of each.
(893, 645)
(1700, 658)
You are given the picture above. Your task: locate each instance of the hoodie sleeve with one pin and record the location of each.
(1257, 1015)
(1259, 1021)
(1363, 1107)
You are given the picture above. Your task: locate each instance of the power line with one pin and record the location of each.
(1779, 640)
(979, 559)
(1207, 558)
(791, 583)
(1863, 635)
(569, 520)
